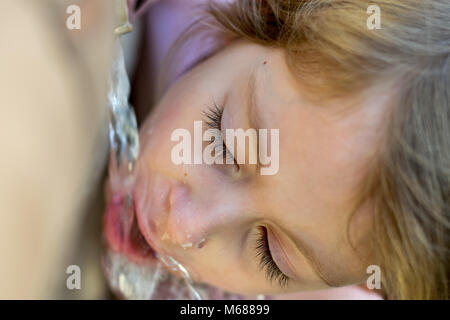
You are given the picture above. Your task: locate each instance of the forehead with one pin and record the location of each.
(331, 144)
(326, 150)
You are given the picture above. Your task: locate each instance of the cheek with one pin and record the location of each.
(233, 277)
(155, 135)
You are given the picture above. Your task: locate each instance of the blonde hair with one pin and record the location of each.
(330, 47)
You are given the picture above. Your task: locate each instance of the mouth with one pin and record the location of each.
(122, 232)
(131, 265)
(133, 220)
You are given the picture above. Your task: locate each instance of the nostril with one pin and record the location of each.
(200, 243)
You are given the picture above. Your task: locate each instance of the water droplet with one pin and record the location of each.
(186, 245)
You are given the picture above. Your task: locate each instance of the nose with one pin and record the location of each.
(185, 227)
(192, 218)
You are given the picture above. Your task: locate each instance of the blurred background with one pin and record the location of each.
(53, 145)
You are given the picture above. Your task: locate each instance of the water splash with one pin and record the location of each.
(178, 267)
(124, 141)
(123, 131)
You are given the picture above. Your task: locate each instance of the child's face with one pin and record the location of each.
(324, 151)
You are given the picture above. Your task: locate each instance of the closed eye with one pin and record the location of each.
(273, 272)
(213, 119)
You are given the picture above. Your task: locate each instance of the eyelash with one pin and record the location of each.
(266, 262)
(213, 120)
